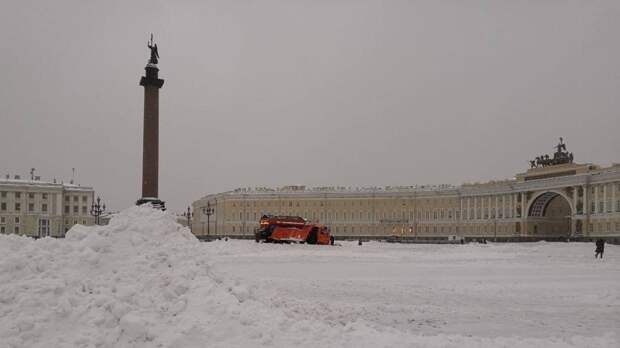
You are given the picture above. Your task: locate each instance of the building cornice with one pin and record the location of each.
(600, 175)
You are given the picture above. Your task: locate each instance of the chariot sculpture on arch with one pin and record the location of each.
(154, 53)
(561, 156)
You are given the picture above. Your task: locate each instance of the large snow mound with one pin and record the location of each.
(101, 285)
(145, 281)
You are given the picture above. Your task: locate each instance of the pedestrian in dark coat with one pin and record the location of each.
(600, 248)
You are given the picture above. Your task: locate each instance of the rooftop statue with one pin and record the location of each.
(154, 53)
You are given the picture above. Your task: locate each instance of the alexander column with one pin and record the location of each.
(150, 149)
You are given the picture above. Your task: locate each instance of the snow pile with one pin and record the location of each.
(100, 286)
(145, 281)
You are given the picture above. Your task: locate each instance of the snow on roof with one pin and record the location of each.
(304, 189)
(46, 184)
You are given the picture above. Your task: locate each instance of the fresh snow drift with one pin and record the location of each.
(145, 281)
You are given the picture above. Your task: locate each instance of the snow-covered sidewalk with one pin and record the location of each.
(144, 281)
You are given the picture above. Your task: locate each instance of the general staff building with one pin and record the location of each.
(554, 198)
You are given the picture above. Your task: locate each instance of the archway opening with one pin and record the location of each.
(549, 216)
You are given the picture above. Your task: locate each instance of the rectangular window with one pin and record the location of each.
(31, 195)
(593, 207)
(30, 206)
(601, 207)
(75, 209)
(84, 211)
(67, 198)
(18, 207)
(16, 220)
(44, 208)
(2, 229)
(67, 211)
(3, 194)
(44, 196)
(3, 206)
(75, 198)
(84, 199)
(16, 229)
(18, 195)
(2, 220)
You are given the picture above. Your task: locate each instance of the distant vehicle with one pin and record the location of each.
(288, 229)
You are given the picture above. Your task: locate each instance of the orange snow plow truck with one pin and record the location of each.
(287, 229)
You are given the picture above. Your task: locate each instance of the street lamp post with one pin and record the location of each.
(208, 211)
(97, 209)
(188, 215)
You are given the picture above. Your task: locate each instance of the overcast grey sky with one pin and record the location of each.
(271, 93)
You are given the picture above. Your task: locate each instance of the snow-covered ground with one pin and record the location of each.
(144, 281)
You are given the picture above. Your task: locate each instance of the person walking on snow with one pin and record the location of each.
(600, 248)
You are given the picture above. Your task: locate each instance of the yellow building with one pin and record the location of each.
(554, 199)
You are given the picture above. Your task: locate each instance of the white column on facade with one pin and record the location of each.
(613, 197)
(595, 199)
(486, 201)
(503, 206)
(523, 214)
(508, 206)
(585, 223)
(575, 194)
(468, 208)
(584, 200)
(482, 199)
(496, 206)
(475, 208)
(461, 211)
(604, 198)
